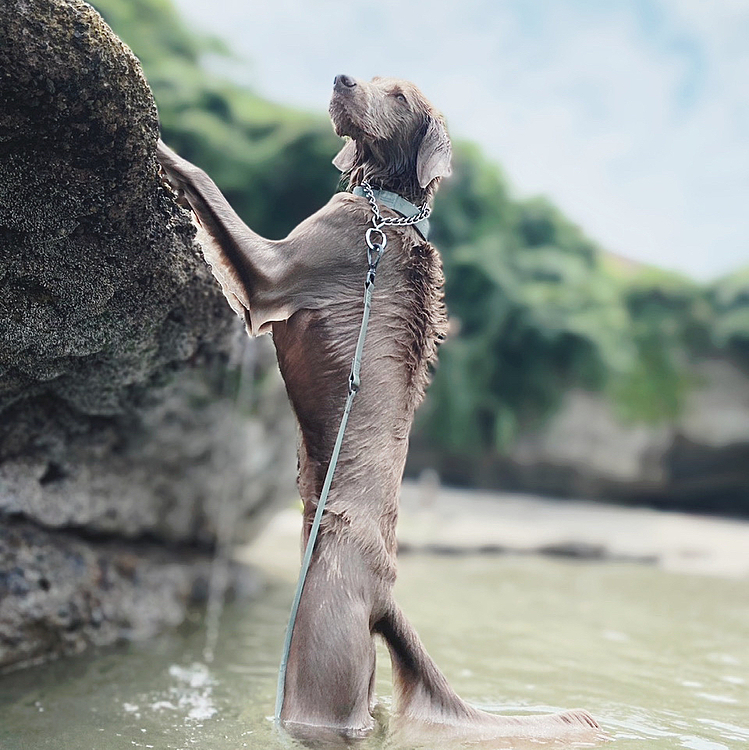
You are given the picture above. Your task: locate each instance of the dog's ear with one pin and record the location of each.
(346, 157)
(435, 152)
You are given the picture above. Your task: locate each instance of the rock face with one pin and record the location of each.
(119, 358)
(699, 462)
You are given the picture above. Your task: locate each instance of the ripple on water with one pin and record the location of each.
(194, 691)
(190, 694)
(733, 680)
(714, 698)
(699, 743)
(728, 731)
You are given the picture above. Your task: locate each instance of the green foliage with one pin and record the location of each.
(536, 308)
(532, 310)
(729, 298)
(668, 321)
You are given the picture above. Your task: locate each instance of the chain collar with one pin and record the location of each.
(410, 214)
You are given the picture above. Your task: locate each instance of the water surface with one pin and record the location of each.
(661, 660)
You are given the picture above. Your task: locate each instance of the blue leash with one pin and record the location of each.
(376, 243)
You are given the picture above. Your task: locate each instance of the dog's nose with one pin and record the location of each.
(343, 82)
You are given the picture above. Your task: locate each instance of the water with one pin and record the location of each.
(238, 384)
(661, 659)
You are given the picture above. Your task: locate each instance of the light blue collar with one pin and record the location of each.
(399, 204)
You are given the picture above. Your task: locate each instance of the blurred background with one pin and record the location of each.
(594, 232)
(594, 237)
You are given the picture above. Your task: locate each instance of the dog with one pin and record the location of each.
(307, 290)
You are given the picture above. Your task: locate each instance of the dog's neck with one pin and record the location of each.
(396, 203)
(397, 175)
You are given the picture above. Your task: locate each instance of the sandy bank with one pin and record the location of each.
(442, 520)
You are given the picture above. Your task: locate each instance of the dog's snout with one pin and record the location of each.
(342, 82)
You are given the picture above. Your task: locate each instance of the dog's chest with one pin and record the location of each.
(315, 347)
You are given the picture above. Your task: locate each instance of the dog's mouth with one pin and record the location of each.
(343, 122)
(348, 109)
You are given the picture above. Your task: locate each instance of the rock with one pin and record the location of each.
(119, 357)
(585, 434)
(697, 462)
(60, 594)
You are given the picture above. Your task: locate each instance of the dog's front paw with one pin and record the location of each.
(172, 166)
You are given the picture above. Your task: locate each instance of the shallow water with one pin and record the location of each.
(660, 659)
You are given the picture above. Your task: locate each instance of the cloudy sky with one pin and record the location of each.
(631, 115)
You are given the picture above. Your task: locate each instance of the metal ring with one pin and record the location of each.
(372, 244)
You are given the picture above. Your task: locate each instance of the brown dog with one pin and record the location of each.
(307, 289)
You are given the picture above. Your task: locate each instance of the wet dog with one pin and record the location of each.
(307, 289)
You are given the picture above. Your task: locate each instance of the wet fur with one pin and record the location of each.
(308, 290)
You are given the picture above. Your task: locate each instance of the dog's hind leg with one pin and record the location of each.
(424, 700)
(420, 690)
(329, 676)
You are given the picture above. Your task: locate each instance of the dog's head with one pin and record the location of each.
(398, 141)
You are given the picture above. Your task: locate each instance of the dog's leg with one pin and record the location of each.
(268, 280)
(420, 691)
(424, 699)
(332, 658)
(241, 259)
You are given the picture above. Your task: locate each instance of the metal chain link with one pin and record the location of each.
(396, 221)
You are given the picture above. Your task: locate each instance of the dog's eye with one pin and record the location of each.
(400, 97)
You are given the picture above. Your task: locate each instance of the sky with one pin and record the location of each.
(631, 115)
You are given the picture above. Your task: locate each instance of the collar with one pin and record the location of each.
(398, 204)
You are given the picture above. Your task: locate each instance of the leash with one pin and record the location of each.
(376, 240)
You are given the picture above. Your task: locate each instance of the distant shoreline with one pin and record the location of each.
(435, 519)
